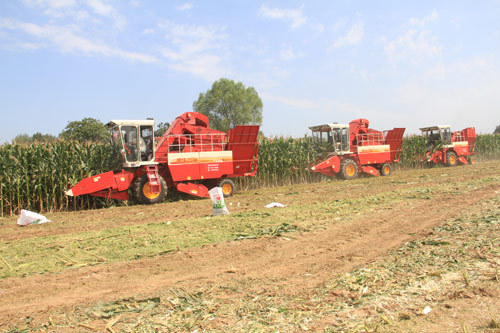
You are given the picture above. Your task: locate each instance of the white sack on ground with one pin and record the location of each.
(219, 207)
(28, 217)
(275, 204)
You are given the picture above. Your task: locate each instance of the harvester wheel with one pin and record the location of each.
(228, 187)
(451, 158)
(385, 169)
(142, 191)
(348, 169)
(471, 159)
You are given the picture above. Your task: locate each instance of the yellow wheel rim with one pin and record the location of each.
(472, 160)
(227, 189)
(387, 169)
(350, 170)
(146, 190)
(453, 159)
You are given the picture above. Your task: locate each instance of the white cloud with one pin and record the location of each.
(71, 9)
(100, 7)
(461, 102)
(67, 40)
(288, 54)
(59, 9)
(192, 49)
(319, 27)
(423, 21)
(322, 109)
(413, 45)
(458, 69)
(290, 101)
(21, 46)
(206, 65)
(416, 43)
(352, 37)
(56, 4)
(294, 15)
(339, 24)
(185, 6)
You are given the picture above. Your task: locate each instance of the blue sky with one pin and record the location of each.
(396, 63)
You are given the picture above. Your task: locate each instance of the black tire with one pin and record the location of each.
(348, 169)
(451, 158)
(142, 194)
(228, 187)
(385, 169)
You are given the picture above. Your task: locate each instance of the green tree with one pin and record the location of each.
(39, 137)
(87, 129)
(497, 130)
(22, 139)
(228, 104)
(161, 128)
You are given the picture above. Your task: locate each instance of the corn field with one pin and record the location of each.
(34, 177)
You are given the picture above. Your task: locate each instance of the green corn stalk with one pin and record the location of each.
(36, 176)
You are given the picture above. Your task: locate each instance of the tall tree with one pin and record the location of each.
(161, 128)
(39, 137)
(497, 130)
(228, 104)
(87, 129)
(22, 139)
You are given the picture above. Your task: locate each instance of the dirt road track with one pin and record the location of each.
(304, 261)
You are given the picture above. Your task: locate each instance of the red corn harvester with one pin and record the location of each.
(190, 157)
(450, 149)
(346, 150)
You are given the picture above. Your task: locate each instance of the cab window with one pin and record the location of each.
(129, 137)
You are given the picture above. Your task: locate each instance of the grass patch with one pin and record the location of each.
(54, 253)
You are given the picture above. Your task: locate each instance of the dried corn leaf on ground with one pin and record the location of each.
(365, 255)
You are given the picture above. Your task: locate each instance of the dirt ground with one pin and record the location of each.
(292, 264)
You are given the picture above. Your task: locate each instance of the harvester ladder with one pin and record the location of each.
(154, 178)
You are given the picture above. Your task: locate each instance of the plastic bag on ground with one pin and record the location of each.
(275, 204)
(219, 207)
(27, 218)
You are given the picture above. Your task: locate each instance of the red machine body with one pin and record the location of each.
(450, 148)
(353, 148)
(190, 157)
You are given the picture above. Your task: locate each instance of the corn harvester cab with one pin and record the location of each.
(190, 157)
